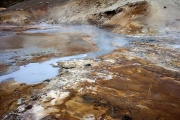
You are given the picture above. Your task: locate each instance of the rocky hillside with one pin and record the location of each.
(127, 16)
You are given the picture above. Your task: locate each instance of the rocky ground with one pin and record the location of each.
(112, 87)
(135, 81)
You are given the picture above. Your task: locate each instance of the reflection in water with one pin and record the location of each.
(32, 73)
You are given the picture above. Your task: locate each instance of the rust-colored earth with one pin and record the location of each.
(123, 89)
(125, 17)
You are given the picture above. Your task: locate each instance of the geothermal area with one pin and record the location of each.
(90, 60)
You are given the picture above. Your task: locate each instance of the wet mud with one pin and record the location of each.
(4, 68)
(24, 48)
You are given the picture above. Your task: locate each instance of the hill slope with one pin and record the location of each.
(127, 16)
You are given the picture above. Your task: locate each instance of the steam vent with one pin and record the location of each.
(90, 60)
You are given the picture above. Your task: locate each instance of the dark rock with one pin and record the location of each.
(28, 107)
(126, 118)
(87, 65)
(46, 81)
(34, 98)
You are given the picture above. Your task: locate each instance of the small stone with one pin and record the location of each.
(87, 65)
(34, 98)
(28, 107)
(46, 81)
(40, 3)
(55, 64)
(126, 118)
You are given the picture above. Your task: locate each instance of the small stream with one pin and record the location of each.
(34, 73)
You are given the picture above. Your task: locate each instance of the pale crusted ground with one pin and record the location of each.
(115, 86)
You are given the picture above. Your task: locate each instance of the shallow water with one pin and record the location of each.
(103, 38)
(176, 46)
(34, 73)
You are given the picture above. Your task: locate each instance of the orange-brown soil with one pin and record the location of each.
(4, 68)
(124, 88)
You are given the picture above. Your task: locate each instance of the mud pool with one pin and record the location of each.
(34, 73)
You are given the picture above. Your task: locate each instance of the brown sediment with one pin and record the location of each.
(120, 85)
(11, 42)
(11, 91)
(123, 88)
(148, 90)
(42, 58)
(84, 105)
(37, 59)
(59, 42)
(137, 89)
(58, 45)
(4, 68)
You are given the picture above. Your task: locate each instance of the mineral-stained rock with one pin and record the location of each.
(137, 89)
(127, 17)
(16, 18)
